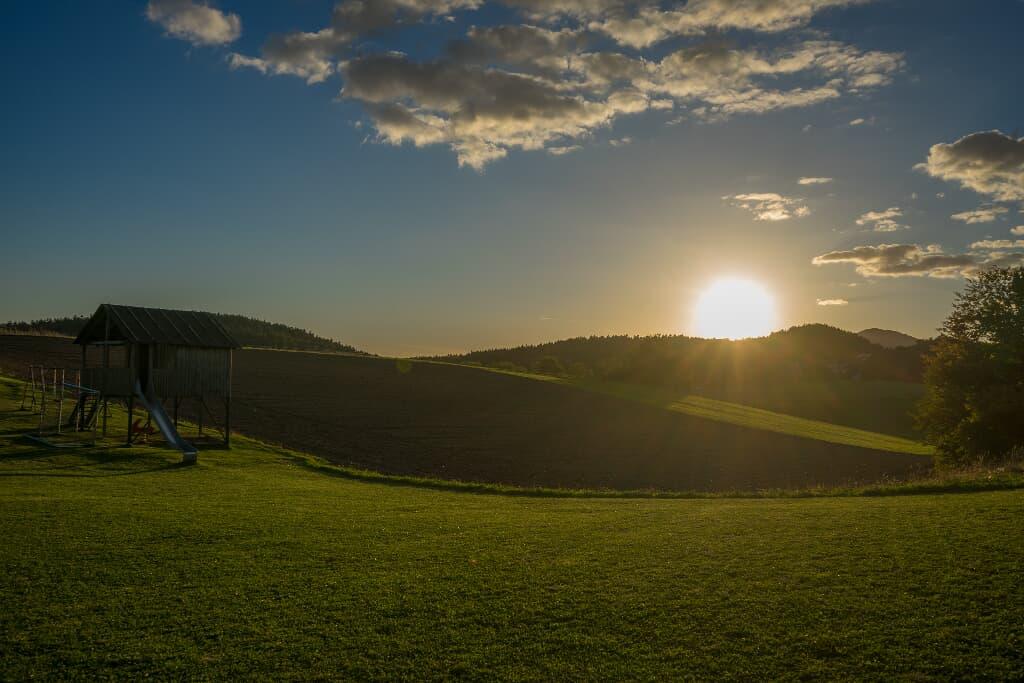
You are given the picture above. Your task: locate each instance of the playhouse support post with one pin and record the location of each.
(131, 408)
(227, 401)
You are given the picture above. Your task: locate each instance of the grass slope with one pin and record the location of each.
(739, 414)
(787, 424)
(119, 563)
(757, 418)
(872, 405)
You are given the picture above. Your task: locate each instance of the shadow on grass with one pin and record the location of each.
(95, 462)
(17, 422)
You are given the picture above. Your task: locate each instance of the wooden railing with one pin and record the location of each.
(110, 381)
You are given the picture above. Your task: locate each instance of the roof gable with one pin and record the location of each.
(156, 326)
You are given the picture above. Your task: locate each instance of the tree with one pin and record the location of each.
(974, 404)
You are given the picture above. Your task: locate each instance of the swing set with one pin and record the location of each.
(46, 392)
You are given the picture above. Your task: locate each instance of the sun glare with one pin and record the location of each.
(734, 308)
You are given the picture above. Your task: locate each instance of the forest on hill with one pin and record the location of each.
(246, 331)
(804, 352)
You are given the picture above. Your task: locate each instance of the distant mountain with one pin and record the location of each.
(246, 331)
(890, 339)
(807, 351)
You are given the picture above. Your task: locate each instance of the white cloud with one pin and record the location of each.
(985, 214)
(858, 122)
(770, 206)
(875, 216)
(310, 56)
(912, 260)
(998, 244)
(196, 22)
(651, 24)
(814, 181)
(990, 163)
(532, 86)
(358, 17)
(313, 56)
(562, 151)
(482, 112)
(1019, 230)
(884, 220)
(522, 45)
(720, 81)
(397, 124)
(490, 109)
(833, 302)
(887, 225)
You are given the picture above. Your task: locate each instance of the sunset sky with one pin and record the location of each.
(425, 176)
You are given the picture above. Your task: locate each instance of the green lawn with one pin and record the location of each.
(118, 562)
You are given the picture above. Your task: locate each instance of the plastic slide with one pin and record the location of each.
(166, 426)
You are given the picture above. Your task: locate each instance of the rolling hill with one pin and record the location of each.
(889, 339)
(804, 353)
(463, 423)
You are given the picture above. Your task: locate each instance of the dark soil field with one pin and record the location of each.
(461, 423)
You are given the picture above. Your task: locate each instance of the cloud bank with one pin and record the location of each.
(564, 71)
(770, 206)
(912, 260)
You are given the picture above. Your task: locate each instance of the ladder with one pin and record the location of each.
(83, 416)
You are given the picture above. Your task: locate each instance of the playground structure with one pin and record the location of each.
(165, 356)
(47, 391)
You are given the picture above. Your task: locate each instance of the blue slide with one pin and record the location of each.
(166, 426)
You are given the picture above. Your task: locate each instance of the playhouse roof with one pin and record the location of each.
(156, 326)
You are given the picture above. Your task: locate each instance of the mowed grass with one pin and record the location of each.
(118, 562)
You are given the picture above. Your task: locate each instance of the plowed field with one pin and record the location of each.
(461, 423)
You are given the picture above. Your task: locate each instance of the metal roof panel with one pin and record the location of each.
(158, 326)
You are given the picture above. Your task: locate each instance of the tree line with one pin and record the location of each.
(246, 331)
(804, 352)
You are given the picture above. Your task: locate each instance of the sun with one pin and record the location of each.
(734, 308)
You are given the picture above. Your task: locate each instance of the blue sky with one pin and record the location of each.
(143, 164)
